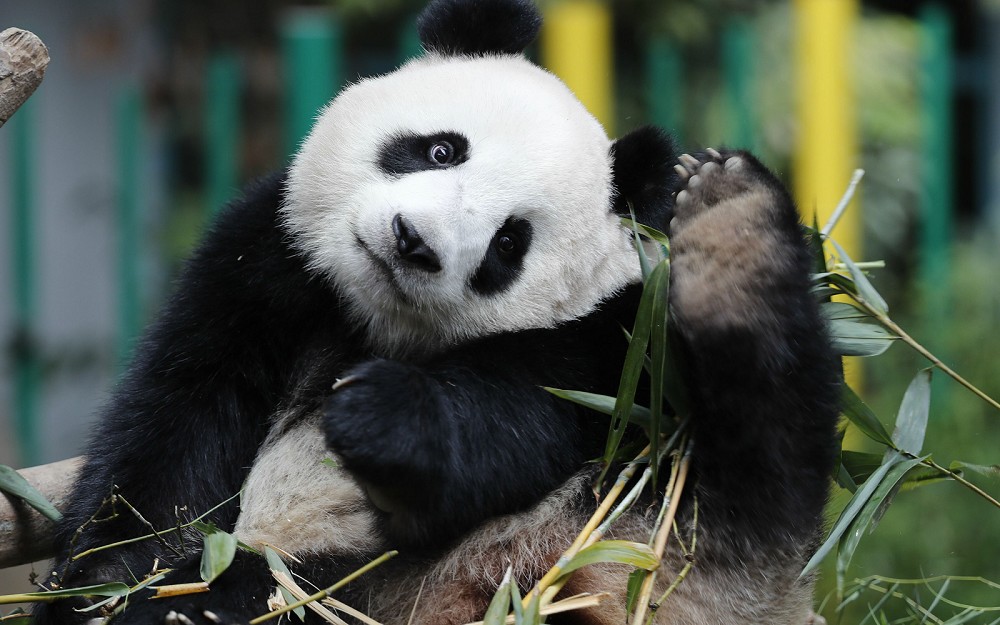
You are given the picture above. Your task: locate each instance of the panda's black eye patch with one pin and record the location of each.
(504, 258)
(407, 153)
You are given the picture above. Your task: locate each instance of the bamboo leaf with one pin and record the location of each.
(604, 404)
(867, 518)
(844, 479)
(911, 422)
(515, 602)
(858, 413)
(275, 563)
(992, 470)
(815, 241)
(635, 554)
(496, 613)
(218, 553)
(842, 310)
(16, 618)
(114, 589)
(149, 581)
(531, 614)
(860, 465)
(635, 580)
(634, 359)
(854, 338)
(647, 231)
(924, 476)
(12, 483)
(864, 288)
(658, 353)
(851, 511)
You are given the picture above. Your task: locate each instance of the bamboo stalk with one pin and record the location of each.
(660, 544)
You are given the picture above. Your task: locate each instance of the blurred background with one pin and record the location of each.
(153, 113)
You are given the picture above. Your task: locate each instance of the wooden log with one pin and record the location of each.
(23, 59)
(26, 535)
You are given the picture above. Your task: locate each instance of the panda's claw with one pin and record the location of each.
(183, 619)
(691, 163)
(345, 381)
(682, 172)
(212, 616)
(171, 618)
(714, 154)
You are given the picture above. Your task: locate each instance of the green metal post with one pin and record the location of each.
(312, 43)
(738, 50)
(664, 101)
(27, 365)
(222, 129)
(409, 40)
(129, 137)
(936, 193)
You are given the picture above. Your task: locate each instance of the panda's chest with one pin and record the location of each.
(298, 499)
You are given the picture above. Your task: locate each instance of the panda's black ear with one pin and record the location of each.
(644, 177)
(478, 26)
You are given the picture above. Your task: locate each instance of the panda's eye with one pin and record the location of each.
(507, 243)
(441, 153)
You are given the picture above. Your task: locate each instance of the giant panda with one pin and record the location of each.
(446, 242)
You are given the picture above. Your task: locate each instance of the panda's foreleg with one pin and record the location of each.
(763, 380)
(444, 445)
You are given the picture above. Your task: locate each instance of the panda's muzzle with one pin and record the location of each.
(413, 250)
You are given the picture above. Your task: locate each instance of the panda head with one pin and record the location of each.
(469, 192)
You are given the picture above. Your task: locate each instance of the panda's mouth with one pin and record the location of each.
(383, 267)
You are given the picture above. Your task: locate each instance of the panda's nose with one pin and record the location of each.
(412, 249)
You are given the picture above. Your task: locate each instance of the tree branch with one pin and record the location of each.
(26, 535)
(23, 59)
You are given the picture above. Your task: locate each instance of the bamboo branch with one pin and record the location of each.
(23, 59)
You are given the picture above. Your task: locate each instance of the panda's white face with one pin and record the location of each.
(459, 197)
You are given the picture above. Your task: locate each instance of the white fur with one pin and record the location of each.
(295, 501)
(535, 153)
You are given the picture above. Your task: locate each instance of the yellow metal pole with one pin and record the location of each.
(826, 154)
(576, 46)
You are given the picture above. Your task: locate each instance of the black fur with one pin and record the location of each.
(409, 153)
(476, 27)
(643, 174)
(501, 267)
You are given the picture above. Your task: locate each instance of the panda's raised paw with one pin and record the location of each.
(734, 178)
(733, 223)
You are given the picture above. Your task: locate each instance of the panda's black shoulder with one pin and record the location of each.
(251, 216)
(247, 268)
